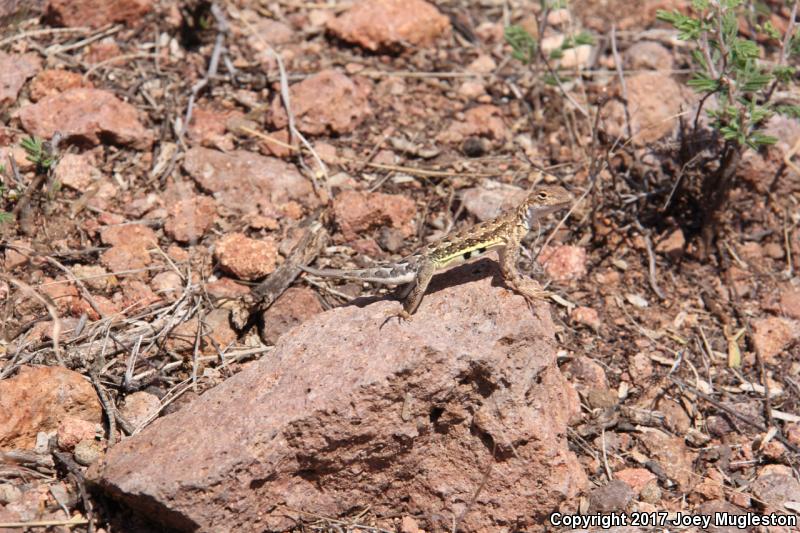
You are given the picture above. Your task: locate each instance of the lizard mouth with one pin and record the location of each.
(536, 212)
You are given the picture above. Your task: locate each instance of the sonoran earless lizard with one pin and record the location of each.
(504, 234)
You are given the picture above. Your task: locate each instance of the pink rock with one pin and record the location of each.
(294, 307)
(191, 218)
(86, 116)
(97, 13)
(357, 212)
(563, 262)
(77, 171)
(648, 55)
(585, 374)
(655, 101)
(244, 257)
(139, 406)
(337, 415)
(53, 81)
(38, 399)
(772, 334)
(586, 316)
(246, 182)
(227, 288)
(390, 24)
(15, 69)
(790, 302)
(327, 101)
(491, 198)
(72, 430)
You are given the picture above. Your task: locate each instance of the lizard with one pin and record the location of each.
(503, 234)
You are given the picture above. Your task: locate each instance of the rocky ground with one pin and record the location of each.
(164, 363)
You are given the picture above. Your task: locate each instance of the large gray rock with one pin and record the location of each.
(406, 417)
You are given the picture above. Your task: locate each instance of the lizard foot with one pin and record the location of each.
(401, 315)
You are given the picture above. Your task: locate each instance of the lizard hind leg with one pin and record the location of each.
(415, 291)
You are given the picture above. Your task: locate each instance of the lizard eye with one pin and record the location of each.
(542, 196)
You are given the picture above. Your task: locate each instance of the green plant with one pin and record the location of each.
(728, 68)
(37, 153)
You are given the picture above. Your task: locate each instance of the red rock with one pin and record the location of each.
(614, 496)
(77, 171)
(216, 334)
(772, 334)
(61, 292)
(277, 144)
(655, 101)
(672, 455)
(139, 406)
(586, 316)
(390, 24)
(563, 262)
(334, 399)
(491, 198)
(672, 245)
(648, 55)
(482, 121)
(72, 430)
(167, 284)
(15, 69)
(124, 258)
(294, 307)
(357, 212)
(13, 257)
(130, 234)
(635, 478)
(246, 182)
(38, 398)
(775, 485)
(326, 102)
(86, 116)
(97, 13)
(102, 51)
(227, 288)
(268, 32)
(136, 295)
(793, 433)
(759, 168)
(790, 302)
(675, 417)
(244, 257)
(53, 81)
(191, 218)
(208, 128)
(95, 277)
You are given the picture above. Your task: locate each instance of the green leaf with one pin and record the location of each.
(784, 73)
(703, 84)
(5, 217)
(523, 45)
(791, 111)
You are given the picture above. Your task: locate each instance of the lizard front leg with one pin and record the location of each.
(527, 287)
(418, 288)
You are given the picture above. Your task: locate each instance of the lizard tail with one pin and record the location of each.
(381, 274)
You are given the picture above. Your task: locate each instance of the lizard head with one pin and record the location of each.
(543, 201)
